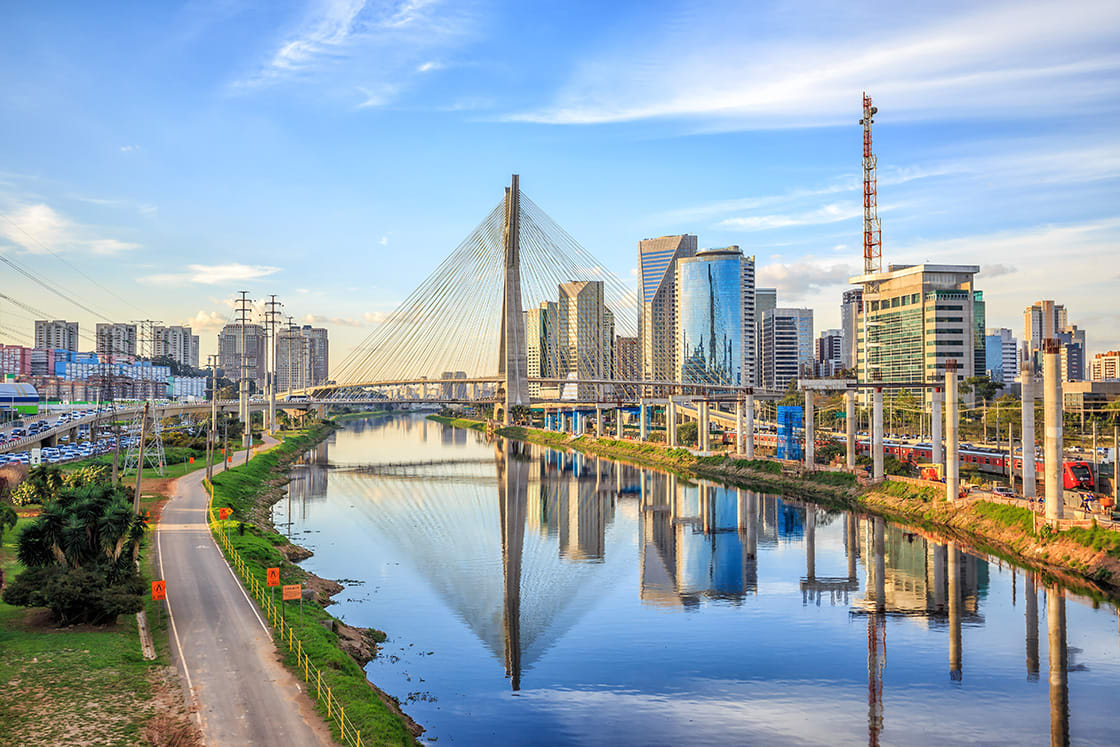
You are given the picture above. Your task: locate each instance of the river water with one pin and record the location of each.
(538, 597)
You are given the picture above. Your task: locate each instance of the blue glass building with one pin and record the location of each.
(710, 306)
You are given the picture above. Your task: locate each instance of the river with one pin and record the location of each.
(538, 597)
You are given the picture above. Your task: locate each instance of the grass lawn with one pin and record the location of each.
(81, 685)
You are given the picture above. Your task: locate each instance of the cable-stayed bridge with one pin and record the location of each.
(462, 334)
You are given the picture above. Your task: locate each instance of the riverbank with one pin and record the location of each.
(343, 417)
(1084, 558)
(339, 650)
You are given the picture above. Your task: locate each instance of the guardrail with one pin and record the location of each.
(336, 713)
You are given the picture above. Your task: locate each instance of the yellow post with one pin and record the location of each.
(342, 721)
(318, 684)
(289, 637)
(359, 734)
(299, 658)
(328, 702)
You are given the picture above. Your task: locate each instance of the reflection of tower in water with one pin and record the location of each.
(513, 484)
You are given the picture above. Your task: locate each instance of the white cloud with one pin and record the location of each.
(831, 213)
(374, 48)
(206, 321)
(987, 272)
(341, 321)
(920, 62)
(39, 229)
(212, 274)
(795, 281)
(384, 241)
(129, 148)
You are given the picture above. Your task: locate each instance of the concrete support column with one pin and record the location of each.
(671, 420)
(810, 428)
(952, 444)
(877, 433)
(1058, 656)
(1052, 415)
(850, 426)
(1031, 599)
(937, 457)
(1030, 490)
(750, 427)
(643, 420)
(739, 427)
(618, 422)
(954, 613)
(598, 421)
(702, 425)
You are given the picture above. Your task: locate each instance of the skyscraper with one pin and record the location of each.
(915, 318)
(116, 339)
(829, 353)
(318, 354)
(58, 335)
(229, 352)
(851, 307)
(657, 308)
(715, 318)
(1046, 319)
(586, 333)
(179, 344)
(541, 340)
(1001, 356)
(765, 299)
(787, 346)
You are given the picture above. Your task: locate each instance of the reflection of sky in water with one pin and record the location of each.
(641, 619)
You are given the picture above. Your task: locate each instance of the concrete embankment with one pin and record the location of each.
(1086, 558)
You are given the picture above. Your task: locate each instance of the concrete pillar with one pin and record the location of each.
(702, 425)
(1032, 626)
(810, 428)
(671, 421)
(750, 427)
(643, 420)
(598, 421)
(739, 427)
(850, 426)
(937, 457)
(954, 613)
(618, 422)
(877, 433)
(810, 543)
(1057, 655)
(952, 444)
(1052, 415)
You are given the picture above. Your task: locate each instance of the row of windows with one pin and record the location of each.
(894, 303)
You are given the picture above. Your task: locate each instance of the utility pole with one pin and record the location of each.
(272, 317)
(212, 434)
(243, 312)
(140, 458)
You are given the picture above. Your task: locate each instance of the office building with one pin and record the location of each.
(56, 335)
(229, 352)
(177, 343)
(916, 318)
(1105, 366)
(1042, 320)
(657, 308)
(585, 346)
(293, 359)
(851, 306)
(830, 353)
(453, 391)
(765, 299)
(628, 366)
(787, 346)
(116, 339)
(715, 318)
(541, 345)
(319, 354)
(1001, 356)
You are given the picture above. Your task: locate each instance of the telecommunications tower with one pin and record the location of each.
(872, 232)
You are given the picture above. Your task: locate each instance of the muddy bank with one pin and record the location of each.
(1085, 559)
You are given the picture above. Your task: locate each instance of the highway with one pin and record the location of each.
(222, 647)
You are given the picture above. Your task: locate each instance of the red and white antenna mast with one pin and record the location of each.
(872, 232)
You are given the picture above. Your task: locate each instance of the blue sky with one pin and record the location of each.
(334, 152)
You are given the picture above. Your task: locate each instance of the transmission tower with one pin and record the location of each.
(244, 310)
(872, 231)
(272, 321)
(153, 446)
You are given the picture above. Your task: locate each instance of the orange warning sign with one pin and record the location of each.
(229, 459)
(192, 460)
(272, 577)
(225, 512)
(292, 591)
(159, 590)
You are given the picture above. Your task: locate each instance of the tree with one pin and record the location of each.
(982, 386)
(8, 519)
(687, 433)
(80, 555)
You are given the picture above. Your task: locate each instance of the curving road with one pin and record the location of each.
(237, 684)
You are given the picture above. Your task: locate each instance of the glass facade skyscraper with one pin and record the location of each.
(710, 317)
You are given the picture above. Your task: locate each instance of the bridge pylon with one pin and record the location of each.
(513, 363)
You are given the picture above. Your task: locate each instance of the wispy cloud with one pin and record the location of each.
(831, 213)
(795, 281)
(1014, 59)
(365, 320)
(40, 229)
(371, 47)
(129, 148)
(206, 321)
(212, 274)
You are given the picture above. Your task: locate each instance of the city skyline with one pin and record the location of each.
(278, 164)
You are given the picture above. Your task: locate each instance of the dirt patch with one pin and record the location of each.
(359, 643)
(171, 724)
(295, 553)
(323, 588)
(164, 486)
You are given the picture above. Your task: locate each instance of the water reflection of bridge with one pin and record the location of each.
(527, 566)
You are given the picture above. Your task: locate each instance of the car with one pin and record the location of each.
(1004, 491)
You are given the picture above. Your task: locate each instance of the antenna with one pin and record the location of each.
(872, 231)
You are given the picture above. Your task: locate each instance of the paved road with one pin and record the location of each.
(222, 647)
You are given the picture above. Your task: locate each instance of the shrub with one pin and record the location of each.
(76, 595)
(759, 465)
(687, 434)
(838, 479)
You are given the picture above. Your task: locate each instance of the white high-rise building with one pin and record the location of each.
(586, 340)
(787, 346)
(657, 302)
(851, 307)
(59, 334)
(116, 339)
(177, 343)
(541, 345)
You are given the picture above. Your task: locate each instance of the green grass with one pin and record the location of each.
(73, 685)
(1015, 517)
(837, 479)
(906, 491)
(1096, 537)
(758, 465)
(238, 489)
